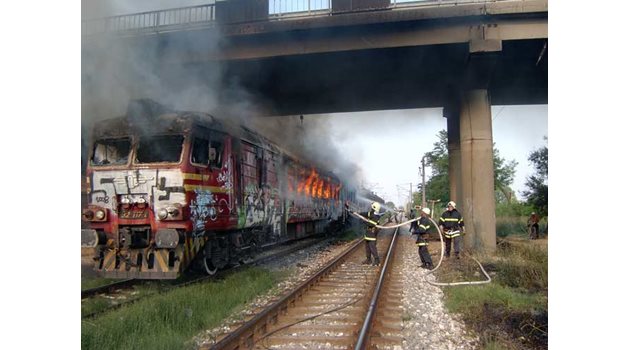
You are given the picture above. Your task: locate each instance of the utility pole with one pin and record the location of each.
(410, 197)
(424, 202)
(433, 201)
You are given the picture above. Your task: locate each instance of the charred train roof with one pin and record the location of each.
(146, 117)
(175, 122)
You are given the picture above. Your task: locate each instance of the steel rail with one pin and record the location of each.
(247, 334)
(364, 335)
(107, 288)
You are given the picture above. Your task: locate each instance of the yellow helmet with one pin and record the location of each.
(452, 204)
(376, 206)
(426, 211)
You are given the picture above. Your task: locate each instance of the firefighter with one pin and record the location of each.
(452, 225)
(532, 225)
(422, 230)
(370, 234)
(412, 215)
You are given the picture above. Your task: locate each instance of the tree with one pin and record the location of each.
(503, 175)
(437, 160)
(536, 193)
(437, 186)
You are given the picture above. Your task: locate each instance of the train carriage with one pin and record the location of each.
(170, 190)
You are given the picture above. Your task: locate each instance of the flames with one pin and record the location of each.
(317, 187)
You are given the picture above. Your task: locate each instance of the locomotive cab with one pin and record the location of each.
(154, 189)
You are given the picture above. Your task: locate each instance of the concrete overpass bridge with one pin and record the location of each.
(313, 56)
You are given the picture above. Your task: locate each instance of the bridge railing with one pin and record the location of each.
(162, 20)
(205, 15)
(283, 8)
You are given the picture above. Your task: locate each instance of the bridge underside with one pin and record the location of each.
(399, 65)
(393, 78)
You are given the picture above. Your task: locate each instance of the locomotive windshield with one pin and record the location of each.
(111, 151)
(159, 149)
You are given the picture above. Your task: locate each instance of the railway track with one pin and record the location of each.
(345, 305)
(120, 286)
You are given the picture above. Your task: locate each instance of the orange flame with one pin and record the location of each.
(310, 182)
(315, 186)
(320, 184)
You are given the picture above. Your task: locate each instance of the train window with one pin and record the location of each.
(214, 153)
(111, 151)
(159, 149)
(200, 150)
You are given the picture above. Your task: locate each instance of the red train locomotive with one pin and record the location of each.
(167, 190)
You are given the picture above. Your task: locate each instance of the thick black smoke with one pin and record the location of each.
(116, 70)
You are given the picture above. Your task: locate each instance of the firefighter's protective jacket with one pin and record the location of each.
(370, 228)
(451, 220)
(422, 228)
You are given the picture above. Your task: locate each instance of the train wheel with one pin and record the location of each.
(209, 266)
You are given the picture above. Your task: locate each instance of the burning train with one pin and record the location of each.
(169, 190)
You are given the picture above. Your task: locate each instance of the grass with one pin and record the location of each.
(517, 226)
(170, 320)
(511, 311)
(100, 303)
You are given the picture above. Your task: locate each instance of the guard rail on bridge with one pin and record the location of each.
(243, 11)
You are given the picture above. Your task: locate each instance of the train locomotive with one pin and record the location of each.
(170, 190)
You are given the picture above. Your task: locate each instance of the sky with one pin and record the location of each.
(403, 136)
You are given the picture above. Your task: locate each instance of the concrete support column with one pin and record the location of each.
(477, 203)
(454, 154)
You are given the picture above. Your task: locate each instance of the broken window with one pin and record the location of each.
(215, 153)
(199, 154)
(159, 149)
(111, 151)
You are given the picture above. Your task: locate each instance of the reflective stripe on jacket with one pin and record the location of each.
(451, 220)
(371, 230)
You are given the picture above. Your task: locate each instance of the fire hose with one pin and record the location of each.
(441, 252)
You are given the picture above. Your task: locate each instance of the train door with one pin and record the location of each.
(251, 167)
(271, 191)
(210, 156)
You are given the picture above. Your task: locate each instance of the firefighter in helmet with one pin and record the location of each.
(373, 216)
(422, 230)
(452, 225)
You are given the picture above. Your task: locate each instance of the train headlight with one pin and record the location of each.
(88, 214)
(169, 213)
(125, 200)
(94, 213)
(162, 214)
(100, 214)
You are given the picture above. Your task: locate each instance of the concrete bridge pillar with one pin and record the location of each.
(477, 170)
(451, 113)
